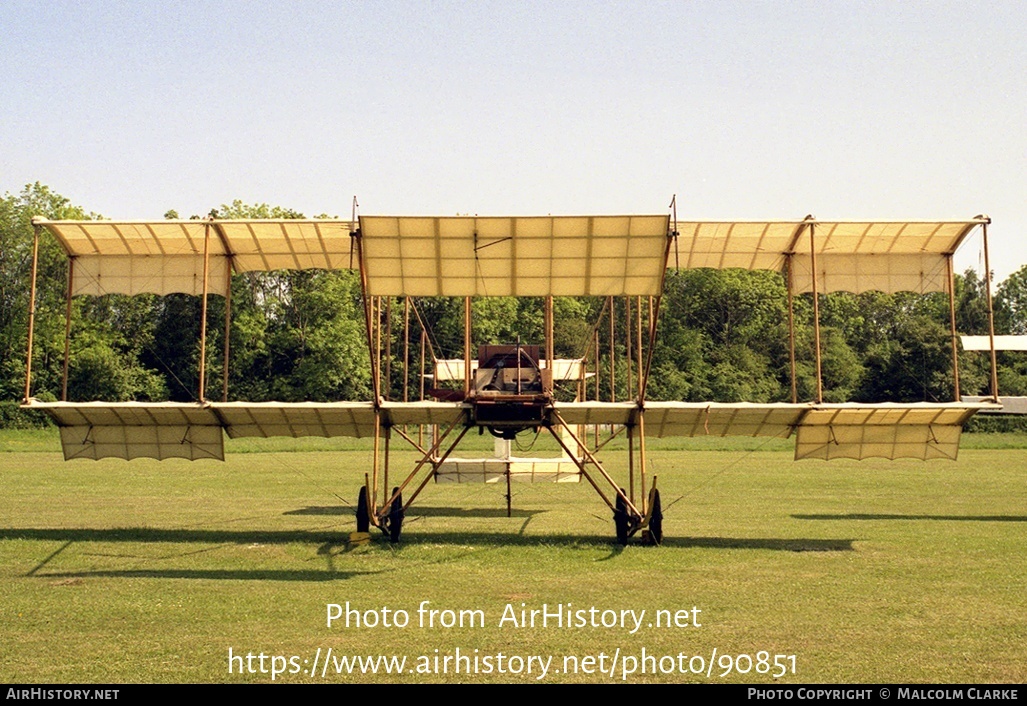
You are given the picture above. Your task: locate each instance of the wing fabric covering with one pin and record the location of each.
(664, 419)
(504, 256)
(129, 430)
(825, 431)
(518, 256)
(884, 431)
(163, 257)
(850, 256)
(267, 419)
(164, 430)
(514, 256)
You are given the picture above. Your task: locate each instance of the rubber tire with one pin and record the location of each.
(396, 516)
(363, 515)
(656, 521)
(620, 519)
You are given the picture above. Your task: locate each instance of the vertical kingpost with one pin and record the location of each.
(32, 312)
(67, 330)
(228, 327)
(991, 312)
(203, 312)
(816, 310)
(952, 325)
(791, 329)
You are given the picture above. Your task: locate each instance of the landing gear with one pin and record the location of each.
(621, 519)
(655, 519)
(391, 524)
(394, 523)
(651, 525)
(363, 515)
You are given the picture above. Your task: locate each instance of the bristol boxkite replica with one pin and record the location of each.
(508, 387)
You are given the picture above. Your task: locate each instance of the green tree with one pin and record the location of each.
(296, 335)
(1011, 303)
(16, 244)
(725, 334)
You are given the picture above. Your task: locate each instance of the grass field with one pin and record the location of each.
(873, 571)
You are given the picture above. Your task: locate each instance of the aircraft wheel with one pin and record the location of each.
(620, 519)
(363, 516)
(396, 515)
(655, 520)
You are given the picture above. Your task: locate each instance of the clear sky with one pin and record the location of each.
(745, 110)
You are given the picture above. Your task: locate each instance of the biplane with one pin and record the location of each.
(508, 388)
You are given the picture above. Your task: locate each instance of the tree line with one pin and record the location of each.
(300, 335)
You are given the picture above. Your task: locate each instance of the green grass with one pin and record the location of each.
(872, 571)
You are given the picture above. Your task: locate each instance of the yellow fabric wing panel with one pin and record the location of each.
(514, 256)
(690, 418)
(162, 257)
(328, 419)
(130, 430)
(127, 257)
(922, 431)
(889, 273)
(720, 245)
(139, 274)
(296, 419)
(886, 238)
(441, 413)
(285, 244)
(184, 430)
(851, 256)
(129, 442)
(721, 419)
(139, 238)
(603, 413)
(502, 256)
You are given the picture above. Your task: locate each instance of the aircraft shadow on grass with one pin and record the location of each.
(308, 575)
(158, 535)
(879, 516)
(425, 511)
(772, 544)
(326, 541)
(330, 542)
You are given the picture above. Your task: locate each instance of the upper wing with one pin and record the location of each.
(161, 257)
(851, 256)
(507, 256)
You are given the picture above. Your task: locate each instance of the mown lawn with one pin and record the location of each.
(873, 571)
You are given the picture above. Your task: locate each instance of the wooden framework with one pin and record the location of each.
(385, 507)
(383, 501)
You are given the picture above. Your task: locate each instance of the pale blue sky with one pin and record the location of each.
(753, 110)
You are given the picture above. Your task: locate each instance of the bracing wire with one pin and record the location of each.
(719, 473)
